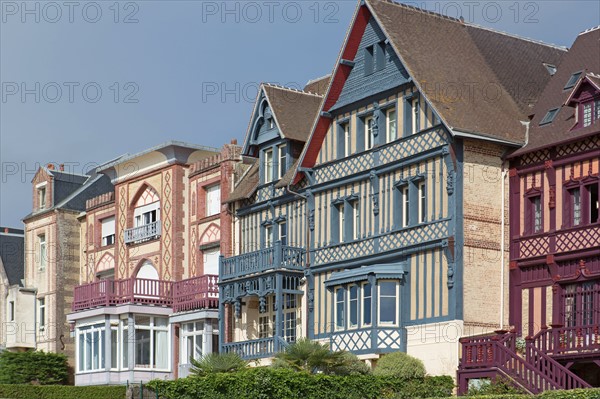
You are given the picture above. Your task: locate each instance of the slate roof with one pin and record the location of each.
(12, 254)
(247, 184)
(443, 53)
(584, 55)
(294, 110)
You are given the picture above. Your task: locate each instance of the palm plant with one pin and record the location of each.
(217, 363)
(314, 357)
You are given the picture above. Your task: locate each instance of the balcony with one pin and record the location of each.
(277, 257)
(143, 233)
(196, 293)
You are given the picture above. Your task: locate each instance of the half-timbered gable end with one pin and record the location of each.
(405, 179)
(260, 287)
(555, 231)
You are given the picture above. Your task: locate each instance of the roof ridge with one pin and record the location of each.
(513, 35)
(317, 79)
(292, 89)
(589, 30)
(422, 10)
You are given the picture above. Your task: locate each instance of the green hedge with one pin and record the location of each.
(270, 383)
(43, 368)
(593, 393)
(14, 391)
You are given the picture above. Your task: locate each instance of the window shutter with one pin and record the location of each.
(108, 226)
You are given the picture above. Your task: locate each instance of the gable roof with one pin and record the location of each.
(12, 252)
(442, 54)
(294, 110)
(584, 55)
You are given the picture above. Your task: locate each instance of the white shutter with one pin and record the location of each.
(213, 200)
(211, 261)
(108, 226)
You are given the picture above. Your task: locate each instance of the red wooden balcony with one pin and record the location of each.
(194, 293)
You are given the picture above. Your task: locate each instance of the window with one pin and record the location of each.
(388, 294)
(405, 206)
(193, 337)
(43, 257)
(346, 132)
(91, 347)
(587, 114)
(572, 80)
(369, 60)
(290, 317)
(268, 166)
(422, 203)
(549, 117)
(366, 304)
(339, 309)
(11, 311)
(271, 122)
(283, 233)
(42, 197)
(415, 115)
(536, 208)
(265, 329)
(213, 200)
(152, 342)
(42, 313)
(147, 214)
(369, 139)
(211, 261)
(108, 231)
(353, 305)
(268, 236)
(282, 160)
(125, 338)
(578, 304)
(391, 128)
(355, 219)
(342, 222)
(592, 191)
(575, 206)
(597, 109)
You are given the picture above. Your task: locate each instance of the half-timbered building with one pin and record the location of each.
(554, 238)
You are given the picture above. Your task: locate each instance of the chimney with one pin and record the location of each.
(61, 167)
(234, 141)
(50, 166)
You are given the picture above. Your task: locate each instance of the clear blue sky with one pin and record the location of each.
(158, 73)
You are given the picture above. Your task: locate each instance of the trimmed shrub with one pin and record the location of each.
(400, 365)
(33, 367)
(277, 383)
(218, 363)
(14, 391)
(572, 394)
(499, 386)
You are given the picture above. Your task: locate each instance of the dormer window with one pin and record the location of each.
(42, 197)
(549, 117)
(587, 114)
(271, 123)
(374, 58)
(590, 112)
(572, 80)
(268, 166)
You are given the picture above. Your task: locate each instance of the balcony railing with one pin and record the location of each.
(273, 258)
(196, 293)
(143, 233)
(254, 349)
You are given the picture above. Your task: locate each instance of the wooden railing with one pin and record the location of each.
(254, 349)
(143, 233)
(190, 294)
(196, 293)
(568, 340)
(276, 257)
(536, 371)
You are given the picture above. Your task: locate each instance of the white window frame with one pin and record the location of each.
(355, 219)
(587, 114)
(143, 214)
(415, 109)
(350, 300)
(268, 165)
(347, 141)
(41, 302)
(369, 139)
(388, 121)
(108, 231)
(337, 301)
(379, 296)
(42, 197)
(422, 201)
(282, 150)
(43, 254)
(363, 297)
(282, 226)
(405, 206)
(268, 236)
(87, 333)
(576, 212)
(195, 333)
(290, 314)
(153, 328)
(213, 200)
(11, 311)
(341, 221)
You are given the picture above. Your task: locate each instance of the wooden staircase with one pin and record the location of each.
(496, 355)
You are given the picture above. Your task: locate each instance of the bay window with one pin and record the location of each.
(340, 322)
(388, 300)
(91, 347)
(197, 339)
(353, 306)
(366, 304)
(151, 342)
(268, 166)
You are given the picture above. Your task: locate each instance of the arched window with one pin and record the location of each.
(147, 208)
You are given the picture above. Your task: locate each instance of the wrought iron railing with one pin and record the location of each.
(143, 233)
